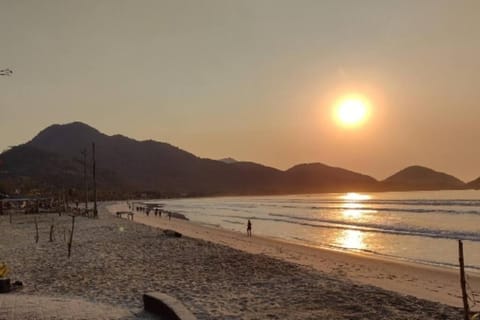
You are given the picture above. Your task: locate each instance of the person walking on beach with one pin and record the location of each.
(249, 228)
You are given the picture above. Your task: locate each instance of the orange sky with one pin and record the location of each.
(252, 80)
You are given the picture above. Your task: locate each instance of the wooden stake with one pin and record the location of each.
(36, 228)
(58, 205)
(65, 194)
(84, 153)
(71, 236)
(462, 281)
(95, 212)
(52, 236)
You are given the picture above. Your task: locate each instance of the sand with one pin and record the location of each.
(422, 281)
(114, 261)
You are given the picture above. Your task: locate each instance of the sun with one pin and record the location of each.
(352, 110)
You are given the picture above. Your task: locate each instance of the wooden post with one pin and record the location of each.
(463, 282)
(71, 236)
(52, 227)
(84, 153)
(65, 200)
(58, 205)
(95, 212)
(36, 229)
(9, 212)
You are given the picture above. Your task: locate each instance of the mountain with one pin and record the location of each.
(23, 165)
(228, 160)
(475, 184)
(28, 168)
(127, 167)
(150, 165)
(160, 167)
(318, 177)
(421, 178)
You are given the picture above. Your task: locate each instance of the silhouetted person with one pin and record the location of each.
(249, 228)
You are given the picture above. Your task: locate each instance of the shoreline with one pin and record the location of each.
(423, 281)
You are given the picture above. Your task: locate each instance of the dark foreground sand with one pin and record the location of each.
(114, 261)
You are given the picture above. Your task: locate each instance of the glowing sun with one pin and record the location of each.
(352, 111)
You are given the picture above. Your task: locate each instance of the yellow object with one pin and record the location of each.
(3, 270)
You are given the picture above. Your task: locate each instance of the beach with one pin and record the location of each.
(422, 281)
(216, 274)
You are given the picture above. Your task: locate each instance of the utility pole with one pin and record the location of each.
(95, 212)
(84, 153)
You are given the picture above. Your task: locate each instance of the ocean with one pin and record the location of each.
(419, 227)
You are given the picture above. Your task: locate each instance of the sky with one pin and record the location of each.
(254, 80)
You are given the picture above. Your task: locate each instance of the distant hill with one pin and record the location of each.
(124, 165)
(28, 164)
(318, 177)
(149, 165)
(228, 160)
(475, 184)
(28, 168)
(156, 166)
(161, 167)
(421, 178)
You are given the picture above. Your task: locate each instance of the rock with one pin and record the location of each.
(171, 233)
(175, 215)
(18, 284)
(5, 285)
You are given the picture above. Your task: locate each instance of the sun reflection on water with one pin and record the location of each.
(352, 213)
(352, 239)
(352, 203)
(353, 196)
(352, 210)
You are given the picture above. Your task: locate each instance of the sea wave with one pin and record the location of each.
(396, 228)
(395, 209)
(409, 202)
(376, 228)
